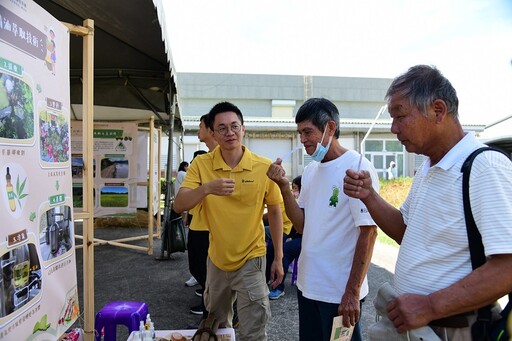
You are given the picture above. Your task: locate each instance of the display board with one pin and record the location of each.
(146, 153)
(38, 287)
(116, 168)
(142, 164)
(156, 170)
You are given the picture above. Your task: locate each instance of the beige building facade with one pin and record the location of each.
(269, 104)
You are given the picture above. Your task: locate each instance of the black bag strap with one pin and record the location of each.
(476, 247)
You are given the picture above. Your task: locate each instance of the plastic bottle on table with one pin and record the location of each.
(152, 330)
(142, 329)
(148, 322)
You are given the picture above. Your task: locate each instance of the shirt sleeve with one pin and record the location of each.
(192, 178)
(273, 195)
(359, 212)
(491, 201)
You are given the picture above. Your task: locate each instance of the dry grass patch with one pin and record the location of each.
(394, 192)
(140, 219)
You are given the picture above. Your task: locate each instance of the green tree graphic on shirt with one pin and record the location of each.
(333, 200)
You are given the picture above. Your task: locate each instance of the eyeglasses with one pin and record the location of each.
(223, 130)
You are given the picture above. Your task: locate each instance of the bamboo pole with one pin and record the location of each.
(117, 242)
(80, 215)
(87, 32)
(88, 182)
(130, 239)
(128, 246)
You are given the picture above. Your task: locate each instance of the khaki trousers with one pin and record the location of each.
(247, 285)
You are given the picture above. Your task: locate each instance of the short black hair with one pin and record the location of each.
(319, 111)
(205, 120)
(223, 107)
(182, 166)
(198, 152)
(298, 182)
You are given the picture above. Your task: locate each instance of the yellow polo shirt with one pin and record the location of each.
(287, 224)
(198, 222)
(235, 221)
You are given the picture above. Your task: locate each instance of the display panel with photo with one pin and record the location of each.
(114, 168)
(16, 109)
(55, 228)
(20, 278)
(114, 196)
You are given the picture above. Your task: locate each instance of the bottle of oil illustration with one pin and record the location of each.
(21, 266)
(10, 192)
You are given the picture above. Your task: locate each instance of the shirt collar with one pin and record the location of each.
(460, 150)
(244, 164)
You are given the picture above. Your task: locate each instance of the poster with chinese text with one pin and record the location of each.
(38, 287)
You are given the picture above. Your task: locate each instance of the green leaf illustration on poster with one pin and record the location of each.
(19, 189)
(41, 325)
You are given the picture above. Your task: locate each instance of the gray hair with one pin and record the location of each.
(422, 85)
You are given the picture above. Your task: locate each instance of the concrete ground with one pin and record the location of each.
(126, 275)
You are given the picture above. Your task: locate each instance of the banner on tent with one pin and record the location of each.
(38, 287)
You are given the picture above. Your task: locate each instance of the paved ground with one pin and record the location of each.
(124, 274)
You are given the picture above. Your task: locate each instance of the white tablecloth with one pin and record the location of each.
(224, 334)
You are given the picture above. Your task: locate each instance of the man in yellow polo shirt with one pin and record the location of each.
(231, 184)
(198, 236)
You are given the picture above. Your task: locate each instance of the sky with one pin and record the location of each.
(469, 41)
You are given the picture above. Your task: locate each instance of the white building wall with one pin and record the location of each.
(249, 107)
(272, 149)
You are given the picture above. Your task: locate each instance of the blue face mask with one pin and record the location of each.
(320, 151)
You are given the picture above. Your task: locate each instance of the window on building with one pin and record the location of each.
(387, 156)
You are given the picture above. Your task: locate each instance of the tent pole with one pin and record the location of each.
(159, 188)
(169, 189)
(169, 192)
(151, 182)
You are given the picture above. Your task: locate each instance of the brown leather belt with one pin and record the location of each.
(455, 321)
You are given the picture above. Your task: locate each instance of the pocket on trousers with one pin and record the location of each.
(255, 279)
(256, 294)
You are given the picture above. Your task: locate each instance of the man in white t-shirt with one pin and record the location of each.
(433, 276)
(338, 232)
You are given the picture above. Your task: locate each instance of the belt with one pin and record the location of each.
(454, 321)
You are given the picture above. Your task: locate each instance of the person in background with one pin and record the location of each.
(198, 236)
(287, 228)
(338, 232)
(231, 185)
(192, 255)
(180, 176)
(296, 186)
(291, 247)
(434, 279)
(391, 171)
